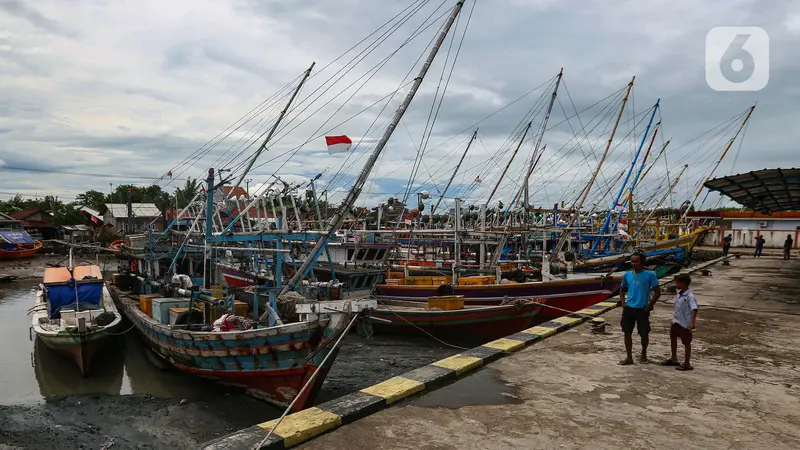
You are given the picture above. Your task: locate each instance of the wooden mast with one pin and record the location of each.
(337, 219)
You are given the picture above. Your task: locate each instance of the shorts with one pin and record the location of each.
(638, 317)
(678, 331)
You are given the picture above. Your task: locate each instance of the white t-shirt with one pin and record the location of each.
(685, 303)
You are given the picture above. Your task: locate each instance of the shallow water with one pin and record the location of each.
(32, 373)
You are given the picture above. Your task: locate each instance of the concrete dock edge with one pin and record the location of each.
(307, 424)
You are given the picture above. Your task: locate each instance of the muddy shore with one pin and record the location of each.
(184, 412)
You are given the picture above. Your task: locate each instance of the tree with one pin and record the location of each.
(92, 199)
(185, 194)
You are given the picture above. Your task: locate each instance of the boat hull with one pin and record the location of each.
(271, 364)
(81, 349)
(20, 253)
(481, 324)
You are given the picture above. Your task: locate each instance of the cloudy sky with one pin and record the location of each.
(100, 93)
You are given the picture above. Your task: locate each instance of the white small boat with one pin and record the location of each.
(74, 313)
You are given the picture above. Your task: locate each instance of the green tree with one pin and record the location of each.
(185, 194)
(92, 199)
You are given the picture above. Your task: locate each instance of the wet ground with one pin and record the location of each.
(131, 403)
(569, 392)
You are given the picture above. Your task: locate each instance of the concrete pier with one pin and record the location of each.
(569, 392)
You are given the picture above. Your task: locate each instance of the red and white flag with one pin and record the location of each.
(338, 144)
(169, 174)
(478, 179)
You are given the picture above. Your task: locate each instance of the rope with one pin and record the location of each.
(420, 329)
(119, 334)
(308, 383)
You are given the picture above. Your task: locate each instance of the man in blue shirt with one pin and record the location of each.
(637, 303)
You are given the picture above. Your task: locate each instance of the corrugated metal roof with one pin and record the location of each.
(120, 210)
(92, 212)
(7, 218)
(766, 191)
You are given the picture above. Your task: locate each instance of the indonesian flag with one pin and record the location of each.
(478, 179)
(169, 174)
(338, 144)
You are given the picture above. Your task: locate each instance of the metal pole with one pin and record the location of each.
(337, 219)
(669, 191)
(585, 193)
(534, 156)
(271, 131)
(474, 135)
(524, 134)
(713, 169)
(607, 220)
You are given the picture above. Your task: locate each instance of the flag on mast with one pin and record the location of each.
(478, 179)
(338, 144)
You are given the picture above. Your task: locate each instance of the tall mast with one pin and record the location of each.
(535, 156)
(663, 148)
(474, 135)
(502, 175)
(660, 202)
(724, 152)
(607, 220)
(337, 219)
(271, 132)
(579, 204)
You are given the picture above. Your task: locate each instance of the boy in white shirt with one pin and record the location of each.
(683, 322)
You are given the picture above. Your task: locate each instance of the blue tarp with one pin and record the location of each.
(16, 237)
(63, 295)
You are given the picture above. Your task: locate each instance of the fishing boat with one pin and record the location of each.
(271, 363)
(560, 297)
(17, 245)
(469, 323)
(74, 313)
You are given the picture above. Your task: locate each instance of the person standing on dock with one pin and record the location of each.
(637, 302)
(726, 244)
(759, 246)
(787, 246)
(683, 318)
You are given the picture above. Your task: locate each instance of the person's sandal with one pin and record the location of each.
(683, 368)
(670, 363)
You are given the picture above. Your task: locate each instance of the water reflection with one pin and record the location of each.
(34, 373)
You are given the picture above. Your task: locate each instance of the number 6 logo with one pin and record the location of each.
(737, 59)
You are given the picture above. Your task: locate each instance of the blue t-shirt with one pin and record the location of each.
(639, 286)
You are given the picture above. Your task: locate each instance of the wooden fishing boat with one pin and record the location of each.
(471, 323)
(568, 295)
(74, 313)
(271, 363)
(17, 245)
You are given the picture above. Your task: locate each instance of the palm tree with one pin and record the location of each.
(185, 194)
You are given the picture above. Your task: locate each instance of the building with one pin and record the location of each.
(146, 216)
(745, 226)
(8, 223)
(78, 234)
(93, 217)
(39, 224)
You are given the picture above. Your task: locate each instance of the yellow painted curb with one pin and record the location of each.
(395, 388)
(589, 312)
(568, 320)
(459, 363)
(607, 304)
(505, 344)
(304, 425)
(540, 331)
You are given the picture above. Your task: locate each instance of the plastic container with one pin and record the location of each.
(146, 303)
(446, 302)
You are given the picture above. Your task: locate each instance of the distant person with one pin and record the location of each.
(726, 244)
(683, 322)
(636, 302)
(787, 246)
(759, 246)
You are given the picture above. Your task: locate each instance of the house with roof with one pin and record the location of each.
(8, 223)
(39, 224)
(146, 216)
(93, 217)
(745, 226)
